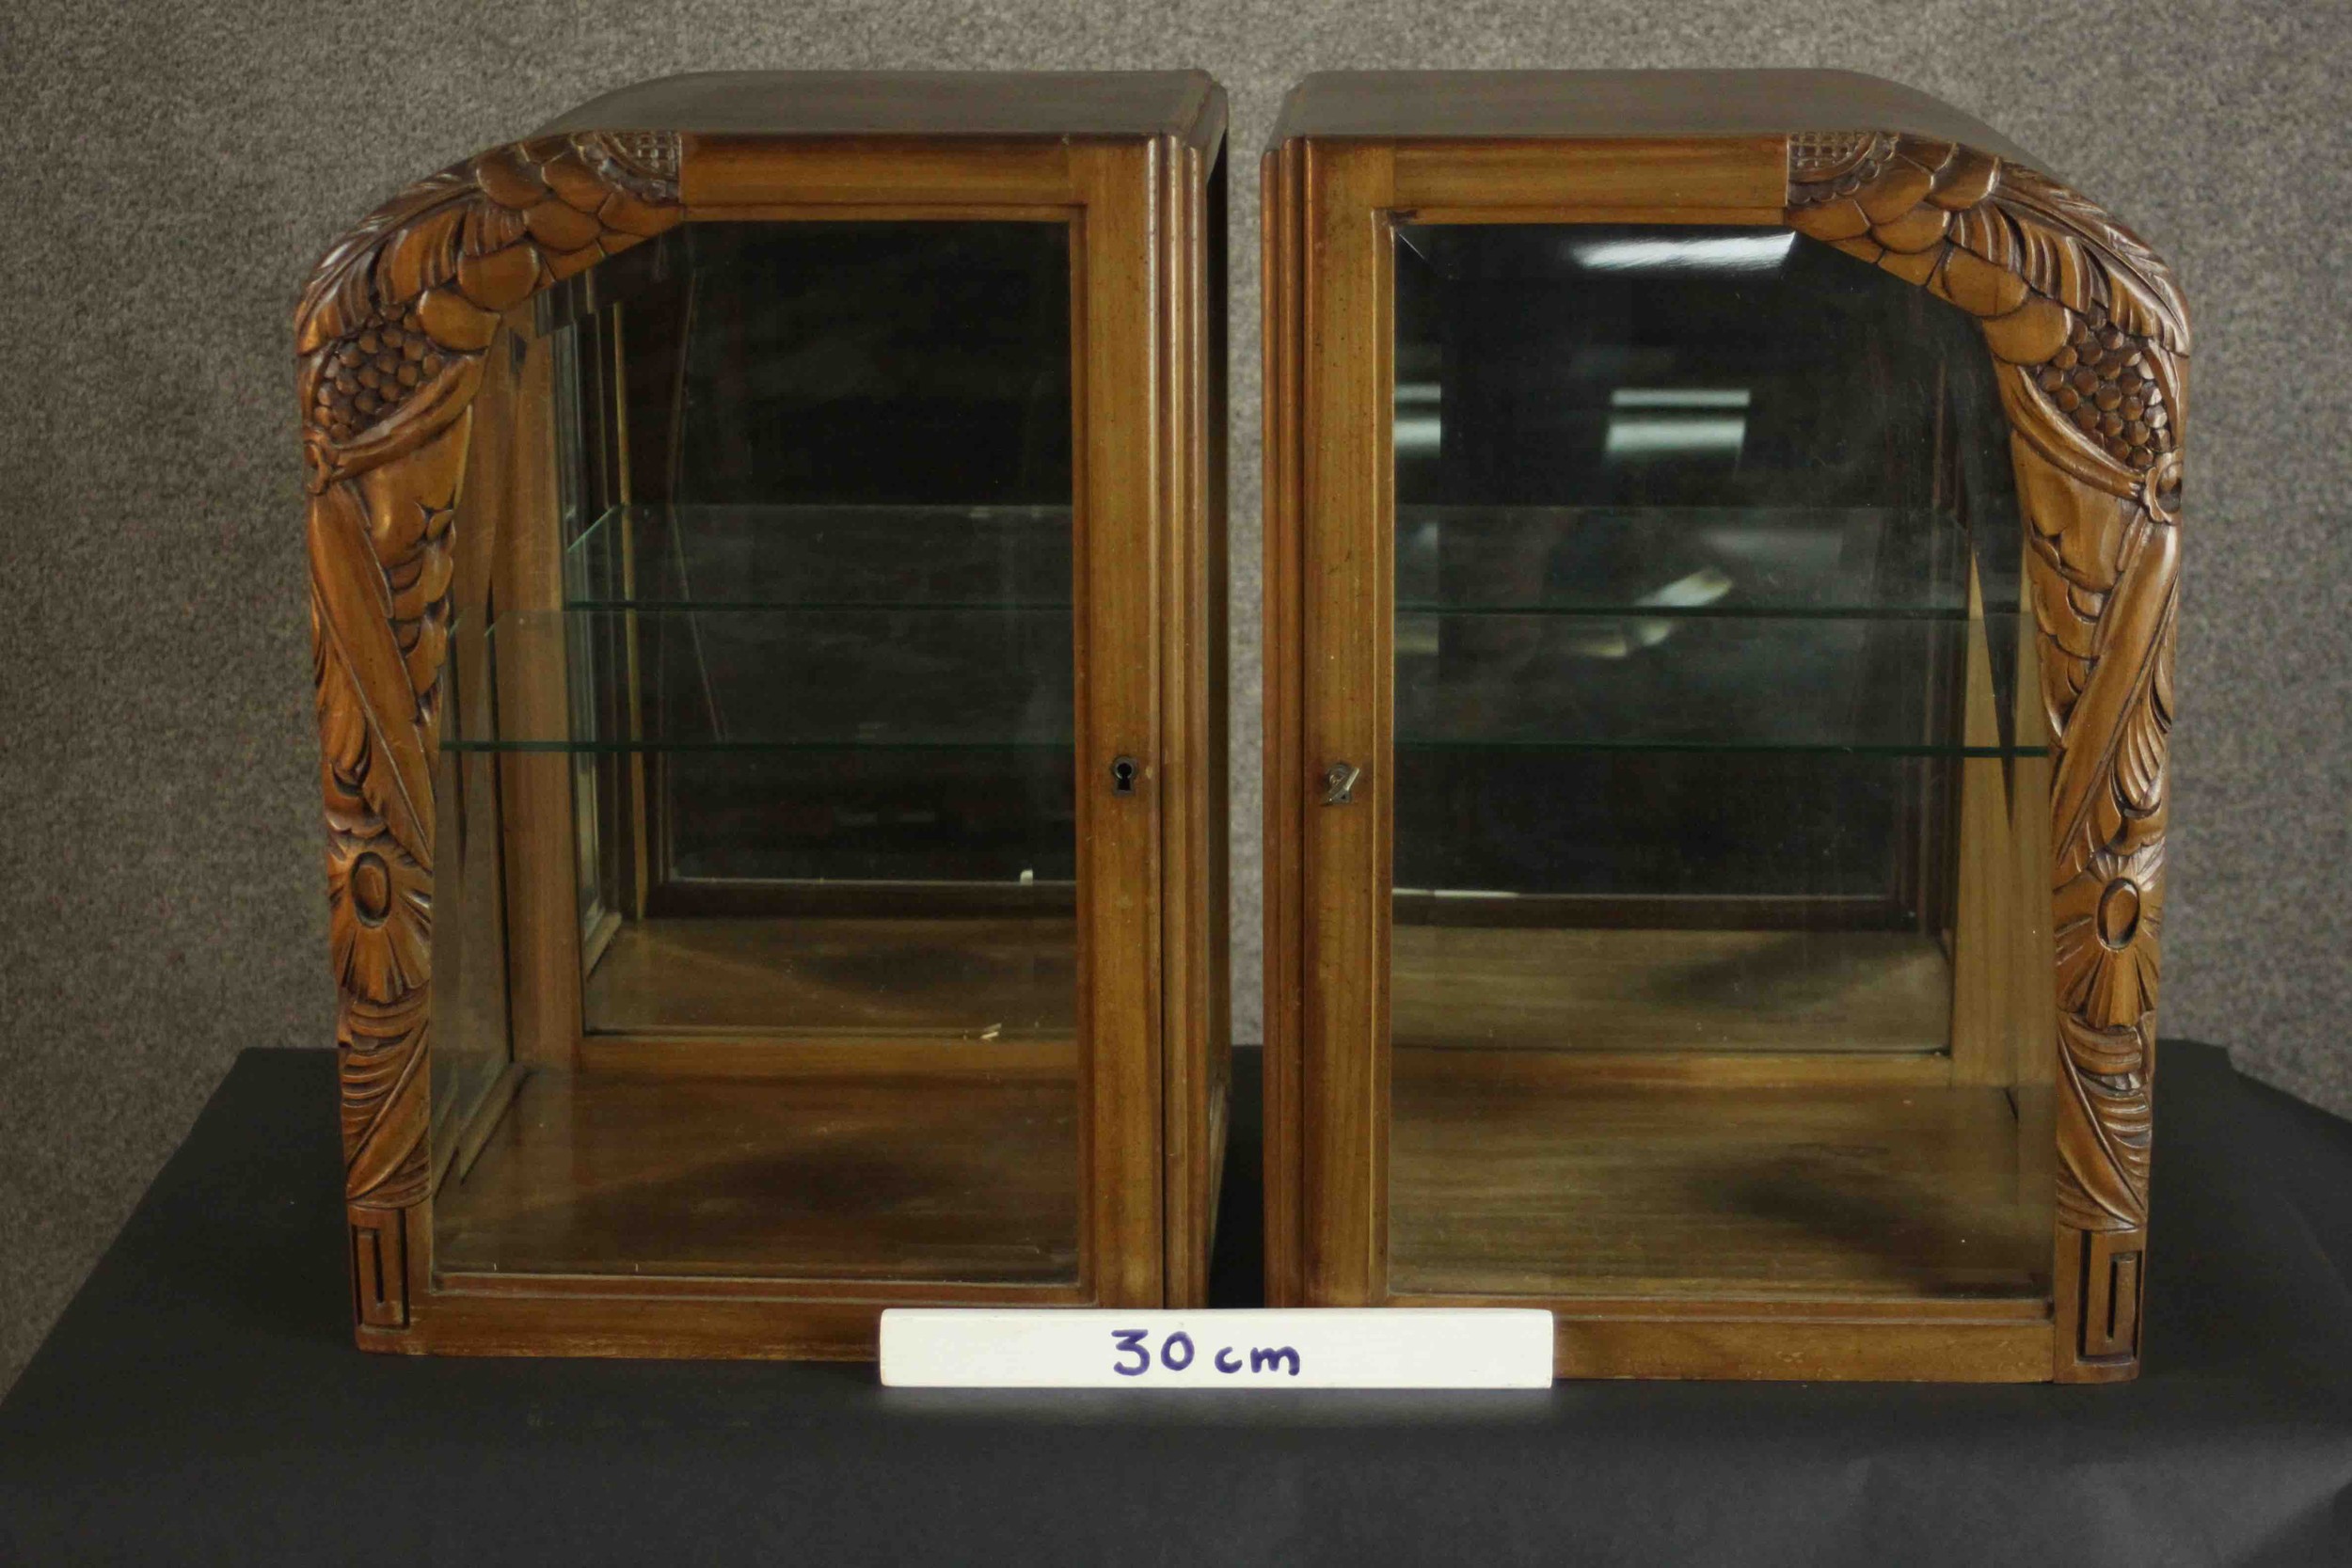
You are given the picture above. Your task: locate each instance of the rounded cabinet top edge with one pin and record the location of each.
(944, 105)
(1587, 105)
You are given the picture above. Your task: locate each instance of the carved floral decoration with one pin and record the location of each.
(391, 334)
(2090, 337)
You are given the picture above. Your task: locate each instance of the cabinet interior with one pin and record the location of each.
(756, 928)
(1718, 937)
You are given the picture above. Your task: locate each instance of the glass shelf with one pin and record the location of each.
(1639, 681)
(622, 745)
(1683, 612)
(741, 677)
(1762, 839)
(1710, 748)
(960, 560)
(1828, 562)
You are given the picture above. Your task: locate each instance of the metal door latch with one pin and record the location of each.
(1339, 784)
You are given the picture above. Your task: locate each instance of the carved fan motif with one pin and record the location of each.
(2091, 337)
(391, 333)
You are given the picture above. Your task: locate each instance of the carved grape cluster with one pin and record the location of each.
(2101, 380)
(369, 373)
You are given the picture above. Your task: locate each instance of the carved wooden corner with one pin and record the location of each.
(2090, 337)
(391, 336)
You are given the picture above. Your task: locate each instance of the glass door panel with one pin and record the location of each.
(1718, 783)
(782, 695)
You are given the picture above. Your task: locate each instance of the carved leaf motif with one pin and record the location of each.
(2140, 751)
(342, 293)
(2103, 1151)
(2141, 296)
(2112, 765)
(396, 316)
(2099, 319)
(2050, 260)
(2105, 1053)
(385, 1109)
(342, 728)
(353, 616)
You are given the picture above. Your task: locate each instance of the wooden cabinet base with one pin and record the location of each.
(1868, 1351)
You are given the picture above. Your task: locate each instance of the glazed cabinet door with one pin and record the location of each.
(1673, 782)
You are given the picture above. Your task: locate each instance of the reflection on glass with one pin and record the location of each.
(775, 683)
(1719, 781)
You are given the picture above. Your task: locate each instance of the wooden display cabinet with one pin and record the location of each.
(1721, 540)
(766, 535)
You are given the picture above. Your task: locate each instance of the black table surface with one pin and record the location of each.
(200, 1401)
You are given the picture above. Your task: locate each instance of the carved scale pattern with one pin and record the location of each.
(1826, 164)
(391, 336)
(2090, 339)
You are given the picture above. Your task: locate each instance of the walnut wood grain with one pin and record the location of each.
(1347, 473)
(1583, 1187)
(1282, 768)
(907, 1179)
(952, 979)
(1554, 988)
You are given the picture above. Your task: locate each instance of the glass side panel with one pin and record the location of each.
(776, 677)
(472, 1053)
(1719, 789)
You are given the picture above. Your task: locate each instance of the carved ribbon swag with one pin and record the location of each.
(2090, 338)
(391, 335)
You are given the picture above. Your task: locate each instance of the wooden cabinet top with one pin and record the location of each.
(1186, 105)
(1574, 105)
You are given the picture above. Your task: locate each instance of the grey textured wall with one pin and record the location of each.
(171, 170)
